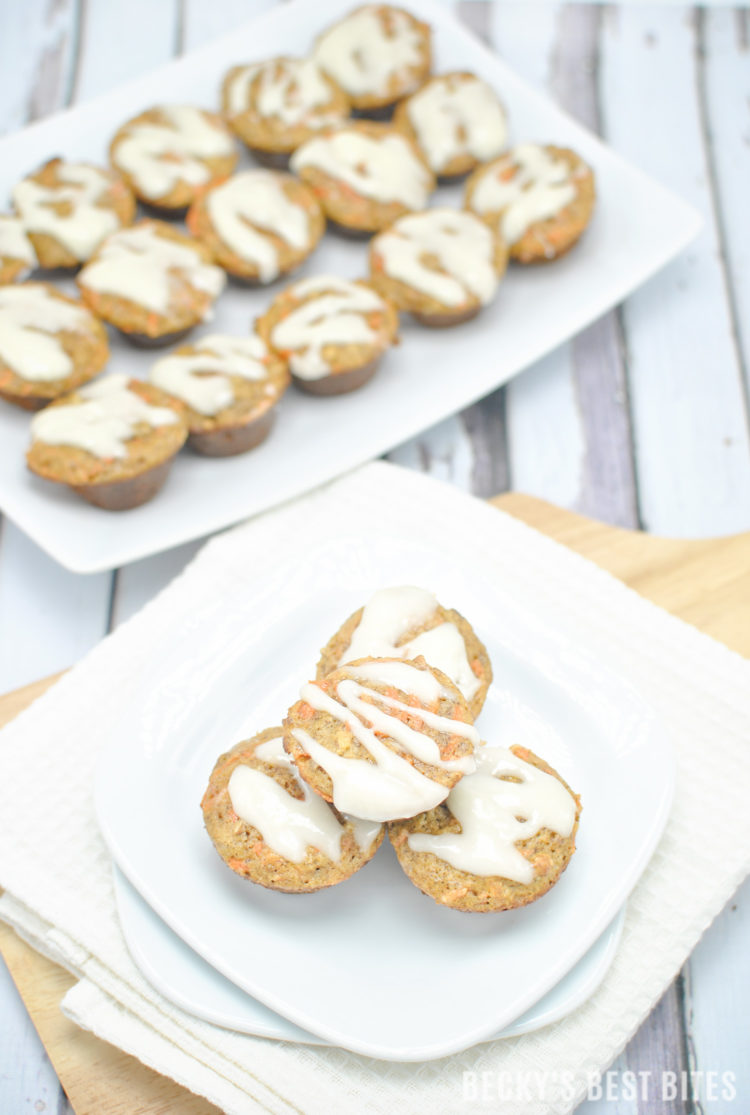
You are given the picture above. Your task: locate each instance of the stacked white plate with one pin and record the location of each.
(371, 965)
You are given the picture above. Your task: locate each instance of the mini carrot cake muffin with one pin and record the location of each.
(49, 344)
(112, 442)
(377, 54)
(539, 199)
(442, 265)
(258, 225)
(269, 827)
(502, 838)
(171, 152)
(17, 255)
(277, 105)
(457, 120)
(151, 282)
(366, 175)
(381, 737)
(331, 331)
(229, 385)
(68, 209)
(406, 622)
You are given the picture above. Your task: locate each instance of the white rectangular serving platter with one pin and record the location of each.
(372, 965)
(638, 226)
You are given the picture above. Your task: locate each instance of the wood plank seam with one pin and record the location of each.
(699, 22)
(609, 487)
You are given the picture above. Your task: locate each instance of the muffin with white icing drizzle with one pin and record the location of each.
(270, 828)
(443, 265)
(382, 738)
(17, 255)
(50, 344)
(332, 332)
(258, 225)
(277, 105)
(406, 622)
(111, 442)
(539, 199)
(502, 838)
(377, 54)
(366, 175)
(69, 209)
(458, 121)
(169, 153)
(151, 282)
(230, 387)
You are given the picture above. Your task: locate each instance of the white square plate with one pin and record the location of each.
(372, 965)
(637, 228)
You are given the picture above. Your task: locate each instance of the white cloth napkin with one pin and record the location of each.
(57, 872)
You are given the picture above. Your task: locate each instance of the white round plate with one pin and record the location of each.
(186, 980)
(367, 965)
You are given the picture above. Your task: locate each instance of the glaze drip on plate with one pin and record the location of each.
(495, 813)
(159, 155)
(69, 212)
(388, 787)
(387, 617)
(336, 315)
(444, 253)
(290, 825)
(30, 318)
(138, 264)
(202, 378)
(539, 188)
(258, 197)
(102, 424)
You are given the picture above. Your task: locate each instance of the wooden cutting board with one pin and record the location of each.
(706, 583)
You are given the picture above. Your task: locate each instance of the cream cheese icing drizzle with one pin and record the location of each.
(336, 317)
(14, 243)
(494, 814)
(258, 197)
(159, 155)
(541, 188)
(29, 319)
(386, 618)
(202, 378)
(383, 168)
(288, 89)
(104, 422)
(389, 787)
(455, 116)
(137, 264)
(290, 825)
(462, 245)
(363, 57)
(83, 224)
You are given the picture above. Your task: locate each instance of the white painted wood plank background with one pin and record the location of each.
(641, 420)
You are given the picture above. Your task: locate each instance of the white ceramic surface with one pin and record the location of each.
(366, 964)
(186, 980)
(637, 228)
